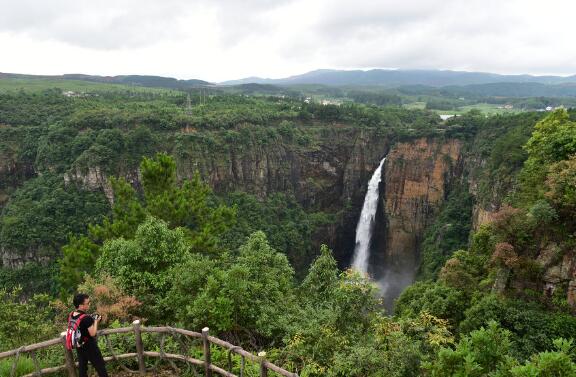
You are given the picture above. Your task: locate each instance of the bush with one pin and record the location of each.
(24, 366)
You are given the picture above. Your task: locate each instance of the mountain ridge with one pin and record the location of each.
(394, 78)
(137, 80)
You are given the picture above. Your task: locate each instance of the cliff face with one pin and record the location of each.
(328, 174)
(556, 266)
(322, 175)
(12, 174)
(417, 178)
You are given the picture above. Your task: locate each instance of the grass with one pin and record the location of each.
(415, 105)
(38, 85)
(486, 108)
(489, 109)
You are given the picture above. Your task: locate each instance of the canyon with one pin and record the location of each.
(330, 175)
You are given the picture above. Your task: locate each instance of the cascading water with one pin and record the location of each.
(366, 223)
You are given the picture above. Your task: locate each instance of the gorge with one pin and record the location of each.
(321, 156)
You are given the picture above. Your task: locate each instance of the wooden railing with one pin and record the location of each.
(137, 330)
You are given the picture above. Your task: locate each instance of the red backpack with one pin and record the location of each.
(74, 338)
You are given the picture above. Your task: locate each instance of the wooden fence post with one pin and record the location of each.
(263, 369)
(69, 357)
(139, 347)
(207, 358)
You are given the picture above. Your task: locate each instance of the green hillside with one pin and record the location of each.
(238, 213)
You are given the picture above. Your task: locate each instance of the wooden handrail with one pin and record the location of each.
(139, 355)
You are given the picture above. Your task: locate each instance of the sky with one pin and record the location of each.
(217, 40)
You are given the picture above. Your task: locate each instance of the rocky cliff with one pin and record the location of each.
(417, 178)
(328, 174)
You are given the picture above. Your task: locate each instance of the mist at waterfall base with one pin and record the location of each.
(390, 273)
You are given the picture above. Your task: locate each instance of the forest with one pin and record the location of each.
(146, 200)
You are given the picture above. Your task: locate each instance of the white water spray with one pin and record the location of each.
(366, 223)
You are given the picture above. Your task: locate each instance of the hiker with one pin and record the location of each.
(81, 335)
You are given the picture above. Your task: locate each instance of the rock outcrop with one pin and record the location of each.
(328, 174)
(417, 178)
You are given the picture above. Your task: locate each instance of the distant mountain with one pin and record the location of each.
(521, 89)
(395, 78)
(148, 81)
(138, 80)
(415, 81)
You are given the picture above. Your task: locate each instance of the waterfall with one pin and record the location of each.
(366, 223)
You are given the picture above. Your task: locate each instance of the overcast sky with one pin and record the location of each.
(218, 40)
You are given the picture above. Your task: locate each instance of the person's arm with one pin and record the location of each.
(92, 330)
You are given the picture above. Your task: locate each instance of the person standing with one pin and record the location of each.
(87, 349)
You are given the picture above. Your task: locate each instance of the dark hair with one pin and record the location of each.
(79, 299)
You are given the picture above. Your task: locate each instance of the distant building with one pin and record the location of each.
(549, 108)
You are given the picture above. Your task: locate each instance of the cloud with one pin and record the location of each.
(99, 25)
(226, 39)
(119, 24)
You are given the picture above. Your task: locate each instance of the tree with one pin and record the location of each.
(436, 299)
(322, 279)
(480, 353)
(143, 265)
(78, 258)
(24, 323)
(553, 140)
(188, 207)
(549, 364)
(561, 186)
(80, 254)
(247, 297)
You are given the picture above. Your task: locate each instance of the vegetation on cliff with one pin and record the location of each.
(170, 250)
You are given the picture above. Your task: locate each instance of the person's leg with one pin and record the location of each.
(82, 363)
(98, 361)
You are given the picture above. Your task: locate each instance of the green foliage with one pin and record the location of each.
(436, 299)
(44, 211)
(24, 366)
(483, 241)
(78, 258)
(557, 363)
(33, 109)
(553, 140)
(380, 99)
(480, 353)
(191, 261)
(247, 296)
(335, 321)
(24, 322)
(441, 104)
(32, 278)
(287, 225)
(127, 214)
(142, 266)
(531, 327)
(465, 271)
(322, 277)
(561, 188)
(187, 207)
(543, 213)
(449, 233)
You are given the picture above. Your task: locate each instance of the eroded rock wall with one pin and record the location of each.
(417, 178)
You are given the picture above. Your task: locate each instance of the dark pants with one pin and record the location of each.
(91, 352)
